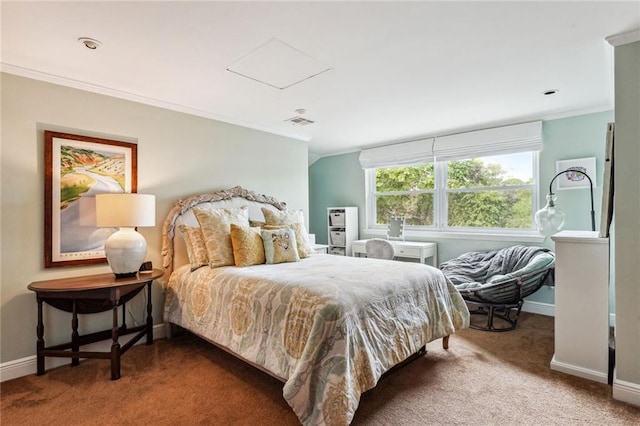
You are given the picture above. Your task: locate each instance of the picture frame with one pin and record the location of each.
(77, 168)
(576, 180)
(606, 208)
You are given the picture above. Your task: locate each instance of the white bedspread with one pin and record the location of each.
(329, 326)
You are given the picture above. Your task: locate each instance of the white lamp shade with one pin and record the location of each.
(121, 209)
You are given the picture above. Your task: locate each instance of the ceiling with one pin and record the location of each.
(367, 73)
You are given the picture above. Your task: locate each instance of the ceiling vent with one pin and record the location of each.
(299, 120)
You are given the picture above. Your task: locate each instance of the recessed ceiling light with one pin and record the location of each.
(90, 43)
(550, 92)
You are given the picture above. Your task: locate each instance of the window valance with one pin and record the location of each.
(499, 140)
(401, 154)
(496, 141)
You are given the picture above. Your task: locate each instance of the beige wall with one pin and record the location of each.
(178, 155)
(627, 214)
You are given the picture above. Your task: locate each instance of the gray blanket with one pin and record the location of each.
(474, 269)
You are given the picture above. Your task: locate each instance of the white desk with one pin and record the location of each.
(406, 249)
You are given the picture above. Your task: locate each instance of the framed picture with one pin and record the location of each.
(606, 211)
(576, 180)
(76, 169)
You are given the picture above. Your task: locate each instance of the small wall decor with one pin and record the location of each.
(76, 169)
(576, 180)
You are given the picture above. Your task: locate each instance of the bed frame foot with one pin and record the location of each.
(168, 330)
(445, 342)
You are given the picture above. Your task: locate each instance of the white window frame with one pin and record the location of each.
(440, 229)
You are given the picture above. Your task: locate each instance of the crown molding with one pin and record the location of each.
(120, 94)
(624, 38)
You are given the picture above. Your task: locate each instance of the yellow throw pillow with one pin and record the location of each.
(248, 248)
(196, 249)
(216, 230)
(280, 245)
(295, 219)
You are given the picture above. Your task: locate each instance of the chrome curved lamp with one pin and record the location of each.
(550, 218)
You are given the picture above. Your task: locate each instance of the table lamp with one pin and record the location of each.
(550, 218)
(126, 248)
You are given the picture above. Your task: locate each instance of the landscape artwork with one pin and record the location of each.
(76, 169)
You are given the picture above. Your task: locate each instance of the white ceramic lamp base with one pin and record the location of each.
(125, 250)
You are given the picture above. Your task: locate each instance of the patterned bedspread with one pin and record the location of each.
(329, 326)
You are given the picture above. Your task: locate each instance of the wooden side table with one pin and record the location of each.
(91, 294)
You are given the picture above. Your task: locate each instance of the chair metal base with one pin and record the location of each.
(508, 313)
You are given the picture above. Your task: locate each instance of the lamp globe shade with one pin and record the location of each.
(550, 218)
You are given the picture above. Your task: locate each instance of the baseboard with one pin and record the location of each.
(585, 373)
(626, 392)
(539, 308)
(26, 366)
(550, 310)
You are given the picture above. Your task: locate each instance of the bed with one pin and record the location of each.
(327, 326)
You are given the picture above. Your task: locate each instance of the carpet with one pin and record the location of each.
(483, 379)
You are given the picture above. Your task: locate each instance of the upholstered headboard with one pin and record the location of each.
(174, 252)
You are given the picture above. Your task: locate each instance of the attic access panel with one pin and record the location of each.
(278, 65)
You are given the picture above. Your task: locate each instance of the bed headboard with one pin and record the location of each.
(174, 252)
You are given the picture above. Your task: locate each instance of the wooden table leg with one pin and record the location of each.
(40, 341)
(75, 347)
(115, 345)
(149, 316)
(124, 317)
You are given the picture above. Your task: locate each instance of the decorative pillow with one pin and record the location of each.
(215, 225)
(280, 245)
(248, 248)
(291, 217)
(196, 249)
(300, 232)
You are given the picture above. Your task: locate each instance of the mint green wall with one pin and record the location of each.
(575, 137)
(339, 181)
(336, 181)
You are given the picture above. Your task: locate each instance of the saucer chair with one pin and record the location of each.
(495, 283)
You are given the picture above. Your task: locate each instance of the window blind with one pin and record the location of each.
(499, 140)
(401, 154)
(496, 141)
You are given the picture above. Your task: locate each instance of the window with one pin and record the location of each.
(483, 193)
(405, 191)
(474, 181)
